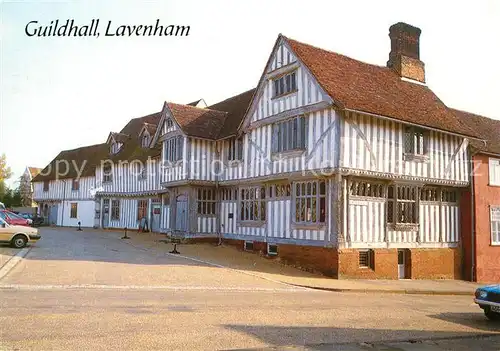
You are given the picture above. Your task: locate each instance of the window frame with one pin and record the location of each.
(206, 202)
(235, 149)
(145, 140)
(46, 185)
(142, 209)
(289, 135)
(285, 84)
(107, 174)
(75, 185)
(73, 211)
(415, 141)
(495, 221)
(115, 207)
(173, 149)
(370, 259)
(253, 199)
(320, 201)
(493, 176)
(400, 195)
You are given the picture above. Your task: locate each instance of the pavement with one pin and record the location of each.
(252, 263)
(92, 290)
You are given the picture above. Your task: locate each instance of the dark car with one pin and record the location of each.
(488, 298)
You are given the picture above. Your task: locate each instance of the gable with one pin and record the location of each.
(307, 92)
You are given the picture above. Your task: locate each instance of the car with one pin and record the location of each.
(14, 219)
(488, 298)
(17, 235)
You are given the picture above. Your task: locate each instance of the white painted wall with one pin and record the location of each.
(85, 213)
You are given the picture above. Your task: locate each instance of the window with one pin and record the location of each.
(74, 210)
(248, 246)
(366, 189)
(289, 135)
(141, 171)
(415, 141)
(169, 123)
(115, 209)
(253, 204)
(310, 202)
(115, 147)
(75, 185)
(272, 249)
(285, 84)
(235, 149)
(494, 170)
(45, 185)
(166, 199)
(142, 209)
(429, 194)
(107, 174)
(279, 190)
(402, 204)
(145, 141)
(448, 195)
(173, 149)
(229, 194)
(366, 259)
(206, 201)
(495, 225)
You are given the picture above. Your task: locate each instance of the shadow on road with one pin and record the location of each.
(471, 320)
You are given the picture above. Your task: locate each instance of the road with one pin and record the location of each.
(92, 291)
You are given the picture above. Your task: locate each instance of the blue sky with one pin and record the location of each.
(62, 93)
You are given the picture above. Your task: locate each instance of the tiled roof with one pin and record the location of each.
(488, 129)
(85, 158)
(34, 171)
(120, 137)
(198, 122)
(378, 90)
(235, 107)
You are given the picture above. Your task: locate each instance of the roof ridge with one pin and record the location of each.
(198, 108)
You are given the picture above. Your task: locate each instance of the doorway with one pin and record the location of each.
(181, 215)
(155, 215)
(105, 213)
(404, 264)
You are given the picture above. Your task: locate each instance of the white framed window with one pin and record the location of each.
(75, 185)
(145, 140)
(285, 84)
(115, 147)
(206, 201)
(115, 209)
(169, 123)
(289, 135)
(495, 224)
(253, 203)
(366, 189)
(402, 207)
(235, 149)
(494, 171)
(277, 191)
(310, 202)
(248, 246)
(73, 210)
(272, 249)
(429, 194)
(141, 171)
(415, 141)
(173, 149)
(142, 209)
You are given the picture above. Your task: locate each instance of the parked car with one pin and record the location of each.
(16, 235)
(488, 298)
(14, 219)
(2, 206)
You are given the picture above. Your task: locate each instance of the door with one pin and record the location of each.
(105, 213)
(53, 215)
(155, 217)
(181, 213)
(401, 264)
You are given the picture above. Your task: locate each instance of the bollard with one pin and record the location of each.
(125, 236)
(174, 251)
(79, 226)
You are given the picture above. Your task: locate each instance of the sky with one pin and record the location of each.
(59, 93)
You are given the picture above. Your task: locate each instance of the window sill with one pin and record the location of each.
(494, 185)
(309, 226)
(288, 154)
(404, 227)
(251, 223)
(277, 97)
(416, 158)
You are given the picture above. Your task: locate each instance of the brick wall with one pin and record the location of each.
(487, 256)
(386, 264)
(445, 263)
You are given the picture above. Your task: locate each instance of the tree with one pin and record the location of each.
(5, 171)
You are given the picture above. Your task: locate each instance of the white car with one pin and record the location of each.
(17, 235)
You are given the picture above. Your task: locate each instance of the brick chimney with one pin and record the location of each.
(404, 57)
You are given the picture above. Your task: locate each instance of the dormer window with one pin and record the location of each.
(145, 140)
(115, 147)
(169, 123)
(285, 84)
